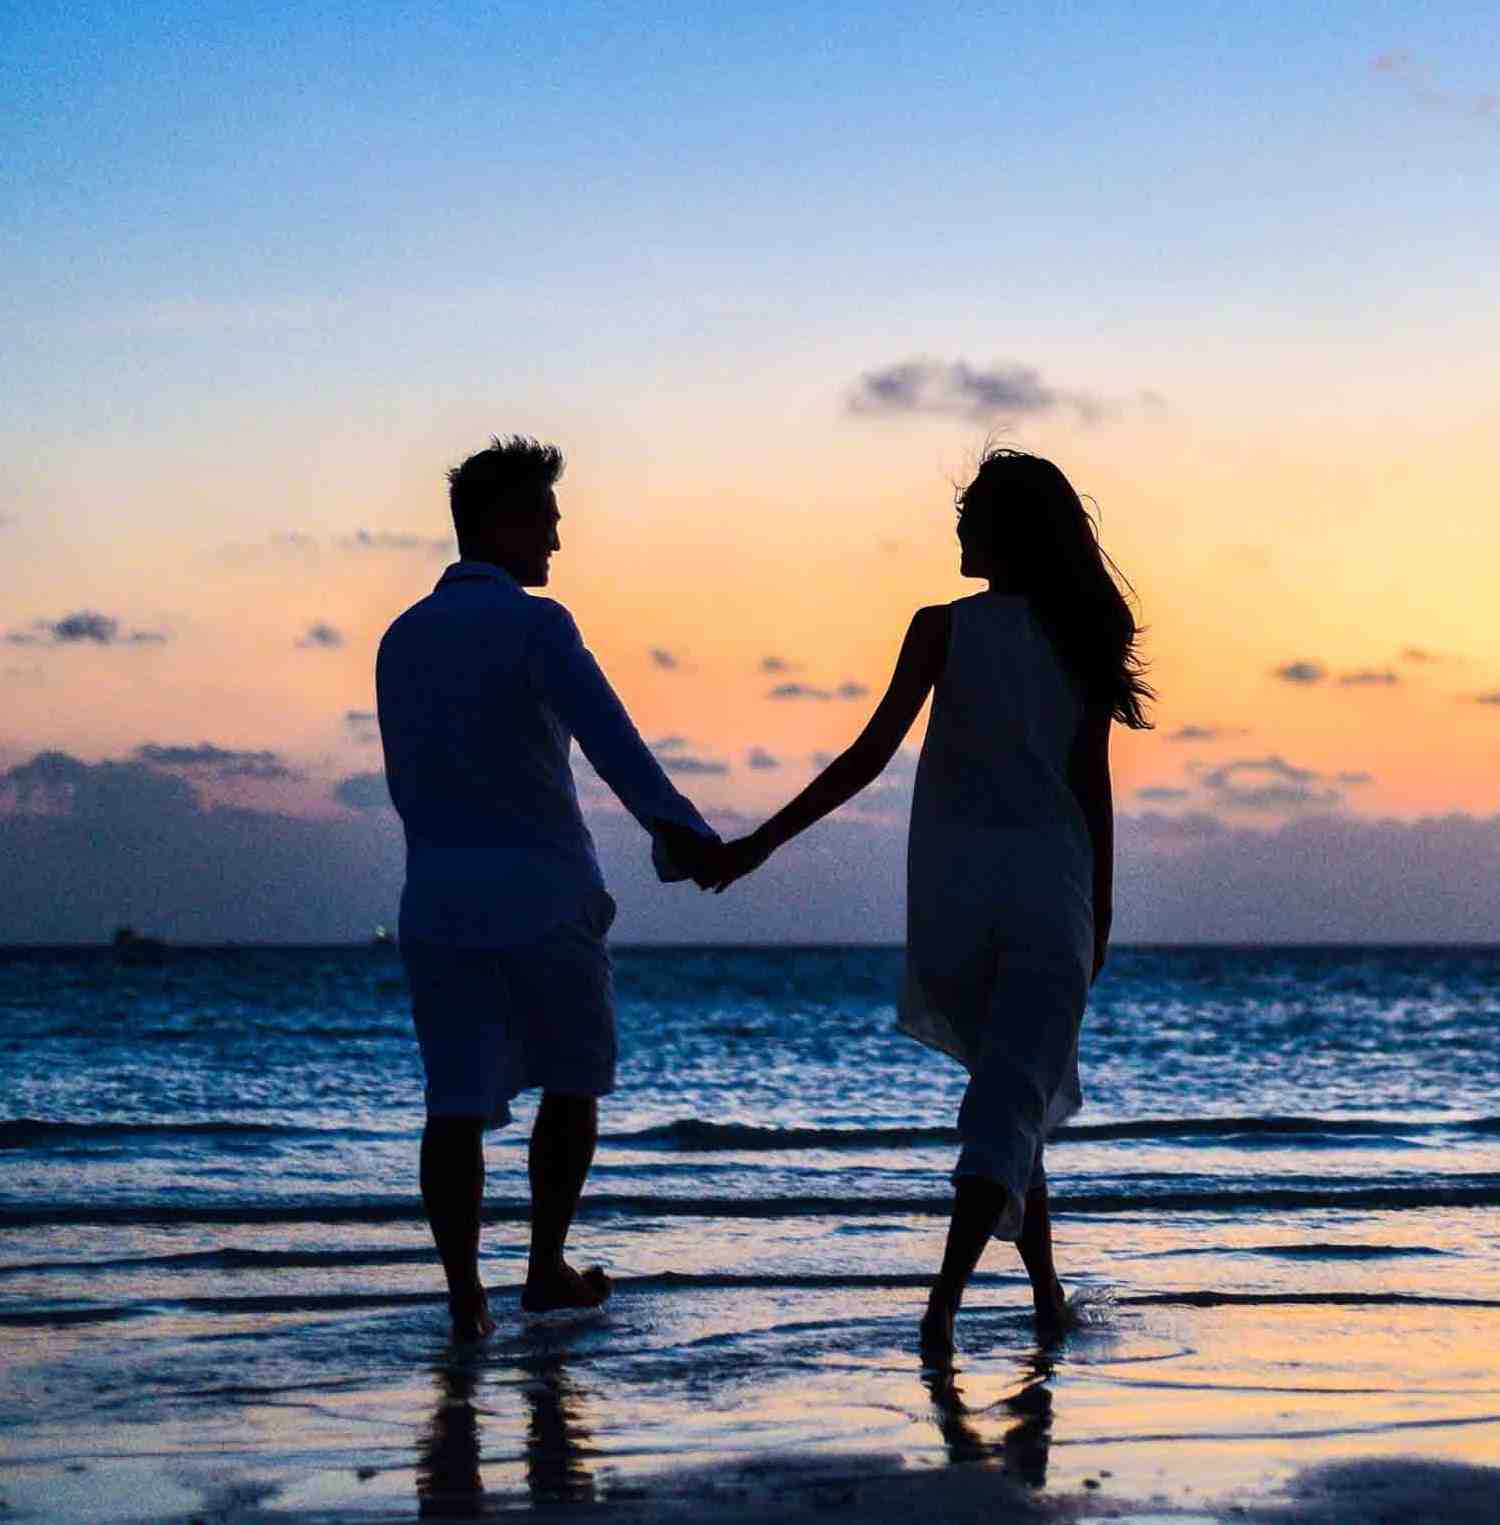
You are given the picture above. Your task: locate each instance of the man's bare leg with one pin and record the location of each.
(977, 1205)
(562, 1149)
(452, 1192)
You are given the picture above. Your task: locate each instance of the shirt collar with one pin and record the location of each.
(464, 571)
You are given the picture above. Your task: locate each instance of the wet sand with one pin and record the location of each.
(1316, 1412)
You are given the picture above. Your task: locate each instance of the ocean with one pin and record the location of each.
(214, 1273)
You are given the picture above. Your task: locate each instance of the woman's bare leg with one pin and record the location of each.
(977, 1206)
(1035, 1245)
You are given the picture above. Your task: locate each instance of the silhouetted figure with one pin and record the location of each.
(1010, 860)
(449, 1486)
(481, 690)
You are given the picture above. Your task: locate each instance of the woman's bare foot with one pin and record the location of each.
(1051, 1310)
(471, 1316)
(935, 1333)
(560, 1286)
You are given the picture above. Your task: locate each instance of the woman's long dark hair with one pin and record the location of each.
(1022, 511)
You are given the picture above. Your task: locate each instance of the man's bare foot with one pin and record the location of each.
(471, 1316)
(935, 1334)
(561, 1286)
(1051, 1311)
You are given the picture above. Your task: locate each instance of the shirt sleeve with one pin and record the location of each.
(572, 685)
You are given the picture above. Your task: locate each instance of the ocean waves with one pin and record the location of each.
(1162, 1195)
(693, 1135)
(696, 1135)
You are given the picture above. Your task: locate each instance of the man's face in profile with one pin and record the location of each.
(525, 543)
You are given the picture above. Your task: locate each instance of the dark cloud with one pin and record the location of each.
(1269, 783)
(1195, 733)
(1490, 698)
(84, 627)
(775, 665)
(321, 636)
(362, 791)
(218, 762)
(761, 760)
(59, 784)
(1162, 793)
(1302, 672)
(687, 763)
(88, 847)
(1369, 678)
(675, 755)
(664, 659)
(364, 725)
(100, 844)
(963, 391)
(846, 690)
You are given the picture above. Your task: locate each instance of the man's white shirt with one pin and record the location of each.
(481, 689)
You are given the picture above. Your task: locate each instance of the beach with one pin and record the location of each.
(1276, 1216)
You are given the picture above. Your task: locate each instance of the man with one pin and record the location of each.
(481, 687)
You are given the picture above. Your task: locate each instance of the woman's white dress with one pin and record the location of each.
(1000, 931)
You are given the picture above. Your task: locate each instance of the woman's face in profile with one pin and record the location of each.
(975, 559)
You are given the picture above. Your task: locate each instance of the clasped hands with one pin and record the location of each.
(711, 864)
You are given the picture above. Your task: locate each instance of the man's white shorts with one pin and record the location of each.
(493, 1022)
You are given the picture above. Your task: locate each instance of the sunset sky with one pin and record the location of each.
(268, 271)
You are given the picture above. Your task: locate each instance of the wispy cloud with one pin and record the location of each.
(1162, 793)
(1419, 654)
(1269, 783)
(321, 636)
(675, 754)
(667, 661)
(1424, 88)
(364, 725)
(397, 540)
(1369, 678)
(959, 390)
(218, 762)
(846, 690)
(774, 665)
(1302, 672)
(761, 760)
(1493, 697)
(1186, 733)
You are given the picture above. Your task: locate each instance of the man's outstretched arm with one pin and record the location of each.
(575, 689)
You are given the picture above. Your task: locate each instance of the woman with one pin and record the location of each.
(1010, 860)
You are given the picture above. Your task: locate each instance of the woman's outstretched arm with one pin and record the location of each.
(1088, 777)
(917, 669)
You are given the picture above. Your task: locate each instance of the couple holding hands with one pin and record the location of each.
(482, 687)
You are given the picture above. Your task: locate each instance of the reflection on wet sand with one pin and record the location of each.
(449, 1486)
(1023, 1448)
(557, 1443)
(558, 1450)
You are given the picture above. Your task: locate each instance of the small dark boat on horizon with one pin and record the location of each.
(134, 947)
